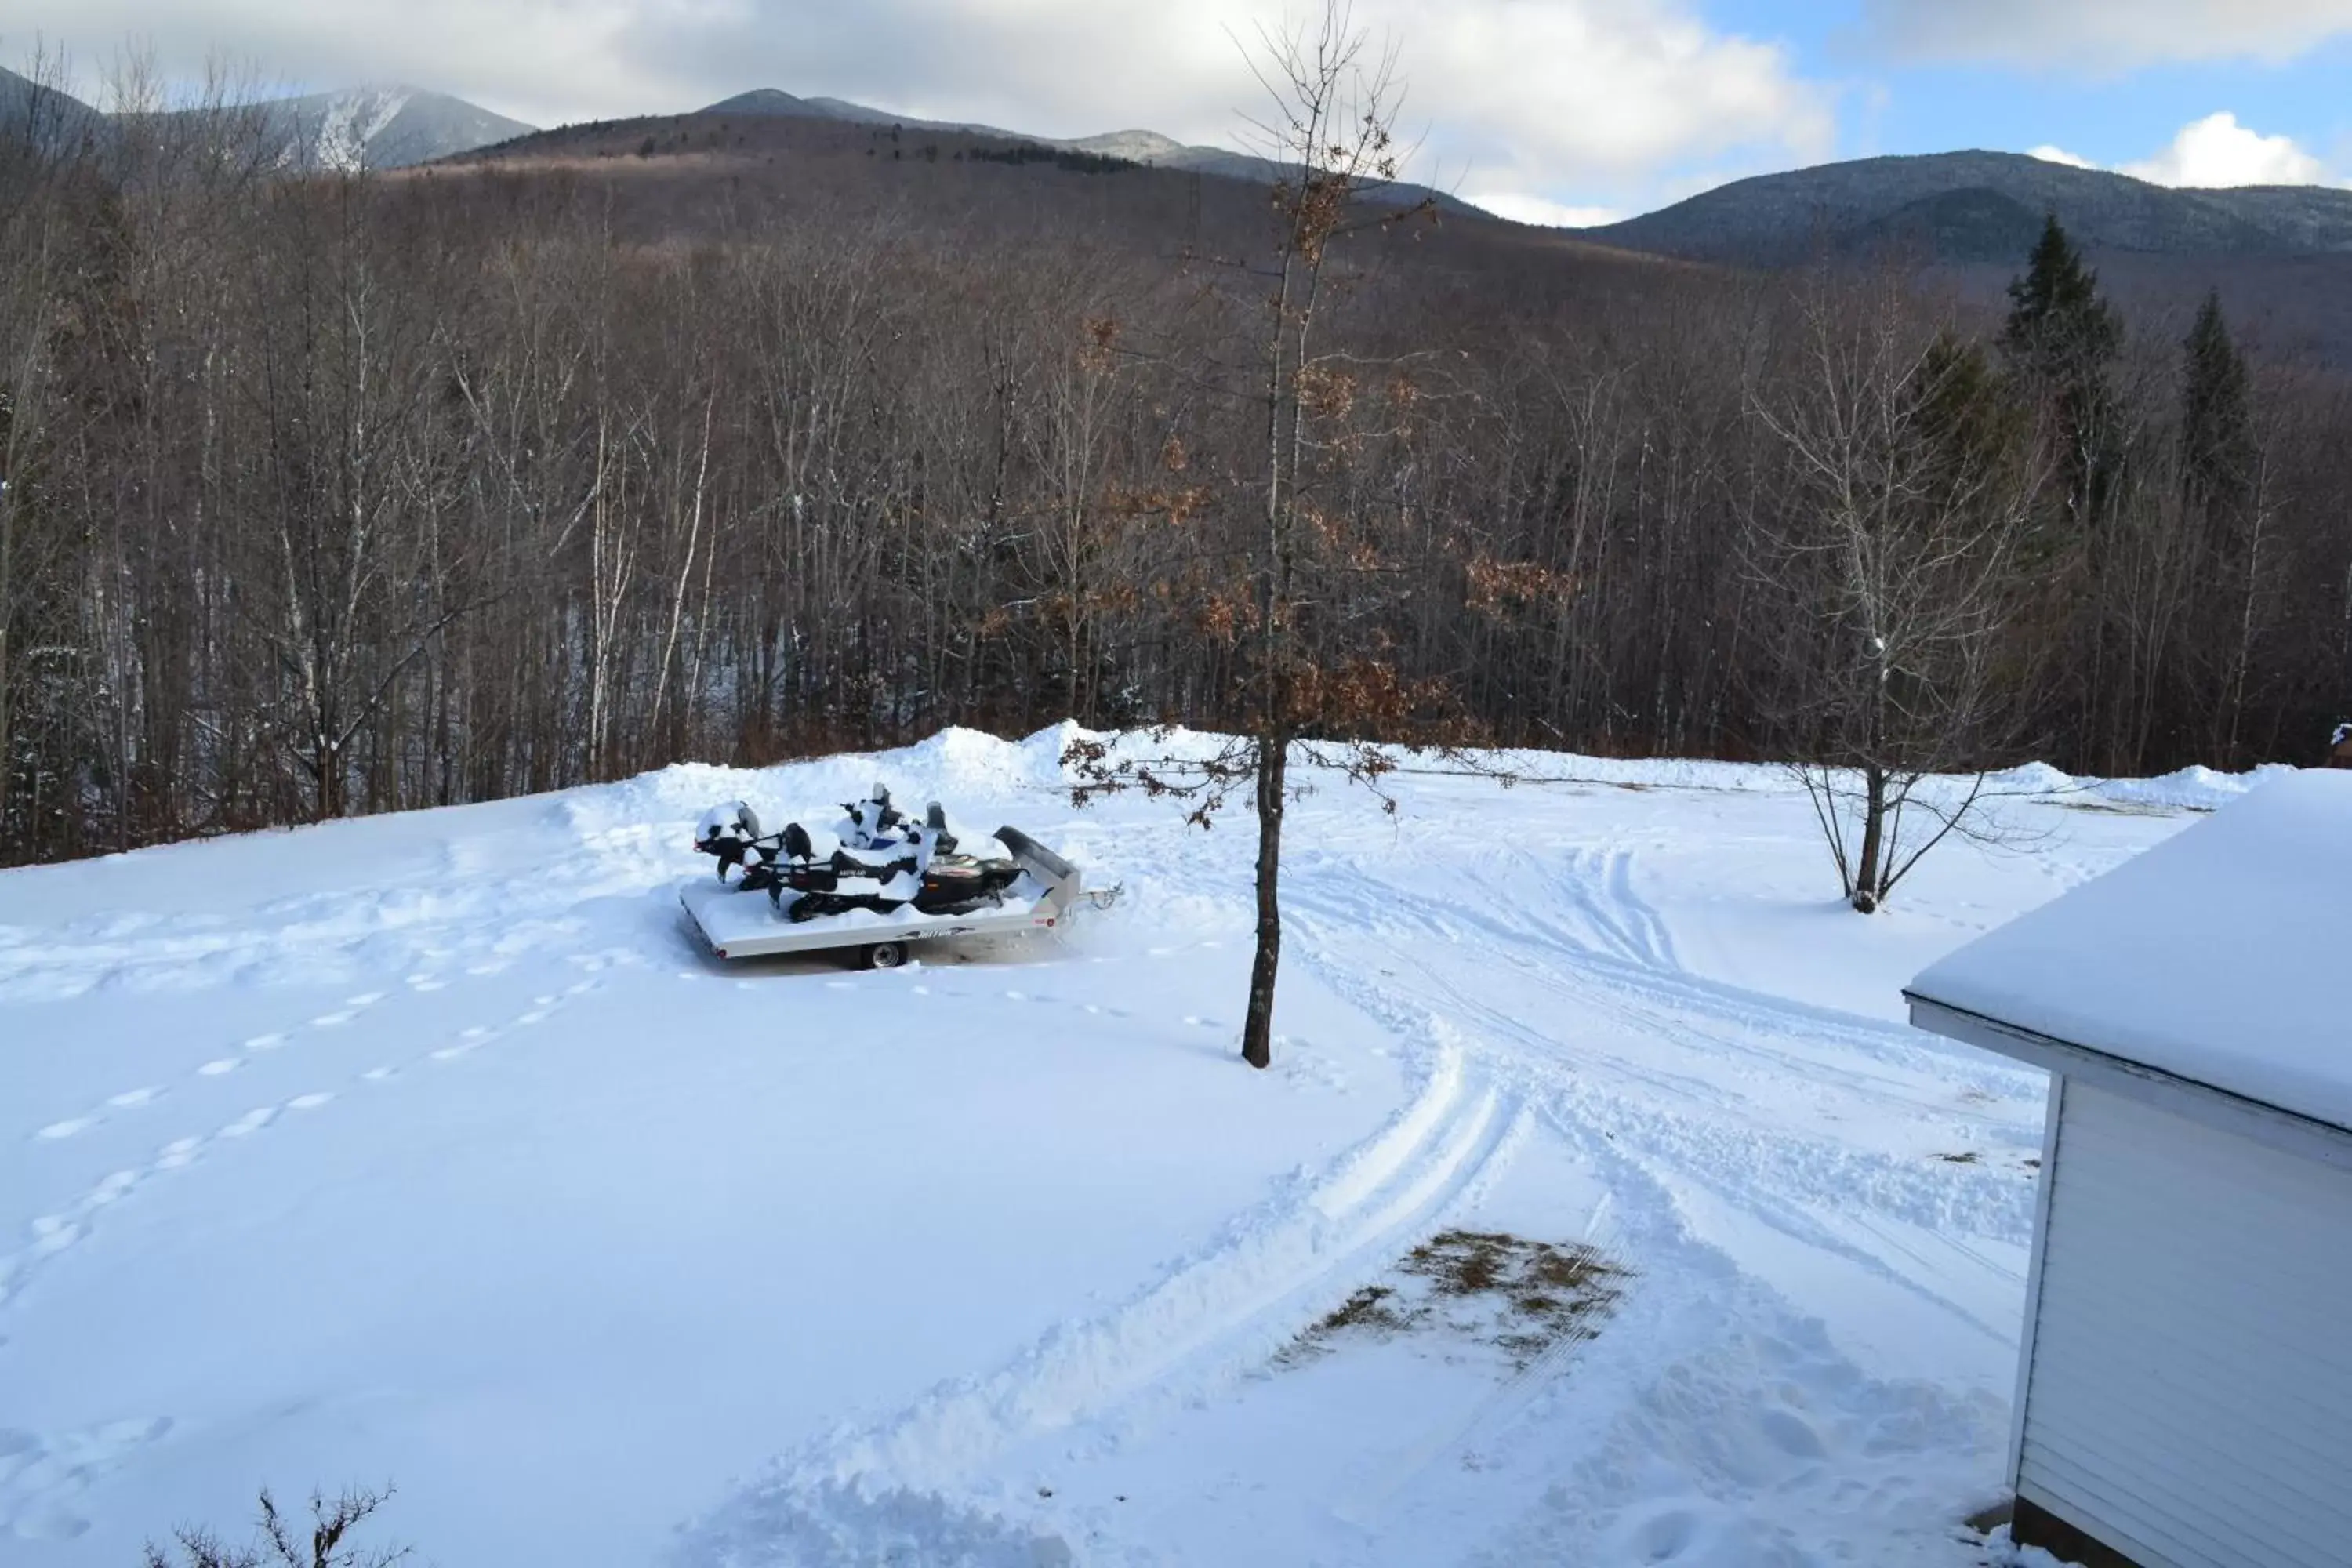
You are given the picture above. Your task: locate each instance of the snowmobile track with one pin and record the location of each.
(1210, 1319)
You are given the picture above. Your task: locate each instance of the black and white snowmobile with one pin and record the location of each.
(885, 864)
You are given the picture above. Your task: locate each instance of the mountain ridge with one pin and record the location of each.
(1136, 146)
(375, 126)
(1973, 205)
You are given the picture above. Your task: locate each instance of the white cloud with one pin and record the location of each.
(1553, 98)
(1522, 208)
(2212, 152)
(2218, 151)
(2103, 37)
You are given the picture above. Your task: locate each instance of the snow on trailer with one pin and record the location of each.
(889, 882)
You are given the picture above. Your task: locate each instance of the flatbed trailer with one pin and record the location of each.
(745, 925)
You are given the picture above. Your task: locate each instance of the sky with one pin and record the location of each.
(1554, 111)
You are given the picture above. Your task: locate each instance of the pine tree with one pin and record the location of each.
(2217, 435)
(2059, 339)
(2058, 325)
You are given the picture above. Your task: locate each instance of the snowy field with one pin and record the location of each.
(431, 1150)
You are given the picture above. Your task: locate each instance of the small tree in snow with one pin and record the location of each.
(1896, 567)
(1298, 610)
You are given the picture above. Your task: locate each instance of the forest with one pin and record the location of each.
(347, 494)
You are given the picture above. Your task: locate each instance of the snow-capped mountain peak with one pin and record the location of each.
(379, 127)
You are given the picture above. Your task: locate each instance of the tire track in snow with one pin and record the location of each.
(1607, 1044)
(1686, 1129)
(1712, 1378)
(1210, 1319)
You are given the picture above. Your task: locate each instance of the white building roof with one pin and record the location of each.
(2223, 955)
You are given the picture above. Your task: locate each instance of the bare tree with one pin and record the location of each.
(283, 1543)
(1895, 556)
(1332, 105)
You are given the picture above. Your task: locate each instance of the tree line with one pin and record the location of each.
(339, 494)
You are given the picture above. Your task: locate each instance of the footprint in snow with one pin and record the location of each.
(253, 1120)
(66, 1129)
(364, 999)
(179, 1152)
(264, 1042)
(215, 1068)
(38, 1476)
(53, 1233)
(116, 1185)
(377, 1075)
(135, 1096)
(536, 1016)
(308, 1102)
(329, 1020)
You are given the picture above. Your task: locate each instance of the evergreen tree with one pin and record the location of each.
(2217, 432)
(1962, 407)
(2059, 339)
(2058, 325)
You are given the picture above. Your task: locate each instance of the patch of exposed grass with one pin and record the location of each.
(1522, 1297)
(2121, 807)
(1367, 1308)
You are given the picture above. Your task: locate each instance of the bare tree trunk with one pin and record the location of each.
(1272, 787)
(1873, 834)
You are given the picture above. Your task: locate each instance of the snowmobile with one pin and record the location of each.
(886, 863)
(895, 881)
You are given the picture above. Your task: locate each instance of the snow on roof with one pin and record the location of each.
(2217, 956)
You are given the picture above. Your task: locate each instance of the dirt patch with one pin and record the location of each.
(2121, 807)
(1521, 1297)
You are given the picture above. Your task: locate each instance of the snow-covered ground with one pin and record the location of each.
(430, 1150)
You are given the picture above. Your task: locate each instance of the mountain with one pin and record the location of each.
(1136, 146)
(363, 128)
(380, 128)
(46, 115)
(1979, 207)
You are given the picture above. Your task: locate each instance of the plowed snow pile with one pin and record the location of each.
(430, 1149)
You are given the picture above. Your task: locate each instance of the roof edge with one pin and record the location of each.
(2313, 1137)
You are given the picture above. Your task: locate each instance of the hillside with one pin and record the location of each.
(342, 132)
(43, 115)
(1135, 146)
(428, 1149)
(1978, 207)
(379, 128)
(687, 175)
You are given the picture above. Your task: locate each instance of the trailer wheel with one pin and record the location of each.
(883, 955)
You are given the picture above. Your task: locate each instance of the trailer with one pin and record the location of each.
(736, 924)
